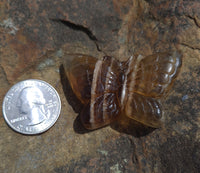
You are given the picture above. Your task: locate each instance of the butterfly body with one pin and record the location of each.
(108, 88)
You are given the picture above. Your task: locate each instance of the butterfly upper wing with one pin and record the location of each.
(79, 71)
(154, 74)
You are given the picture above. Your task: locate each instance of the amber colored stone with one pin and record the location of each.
(79, 70)
(143, 109)
(134, 88)
(104, 106)
(156, 73)
(147, 80)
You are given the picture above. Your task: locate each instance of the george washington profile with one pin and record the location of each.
(31, 104)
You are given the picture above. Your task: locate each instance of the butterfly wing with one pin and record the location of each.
(147, 80)
(103, 111)
(79, 71)
(154, 75)
(104, 107)
(145, 110)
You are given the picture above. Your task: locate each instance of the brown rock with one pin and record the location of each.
(33, 38)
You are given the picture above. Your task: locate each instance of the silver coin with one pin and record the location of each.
(31, 107)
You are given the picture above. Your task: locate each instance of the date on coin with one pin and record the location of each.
(31, 107)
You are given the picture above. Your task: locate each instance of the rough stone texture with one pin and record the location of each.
(34, 35)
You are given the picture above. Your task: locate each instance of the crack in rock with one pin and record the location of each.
(78, 27)
(195, 19)
(189, 46)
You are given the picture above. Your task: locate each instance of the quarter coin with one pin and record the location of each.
(31, 107)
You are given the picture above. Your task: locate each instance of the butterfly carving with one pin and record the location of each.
(133, 88)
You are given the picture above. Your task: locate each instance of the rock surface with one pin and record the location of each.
(35, 35)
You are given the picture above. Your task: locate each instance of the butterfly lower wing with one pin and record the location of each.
(103, 111)
(79, 71)
(145, 110)
(155, 74)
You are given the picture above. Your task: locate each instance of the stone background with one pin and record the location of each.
(35, 35)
